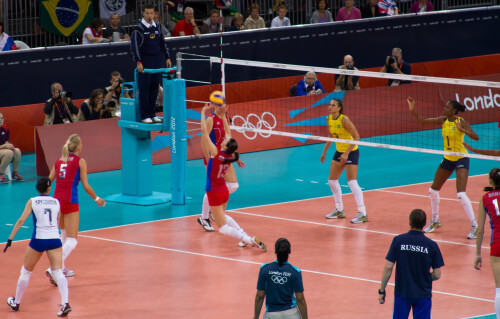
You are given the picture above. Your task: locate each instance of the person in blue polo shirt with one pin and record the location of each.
(278, 281)
(415, 255)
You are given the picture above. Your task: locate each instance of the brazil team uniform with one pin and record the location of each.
(337, 130)
(67, 180)
(45, 211)
(492, 207)
(280, 283)
(452, 139)
(414, 254)
(216, 188)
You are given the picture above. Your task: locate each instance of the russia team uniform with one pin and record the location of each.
(280, 282)
(218, 133)
(414, 254)
(337, 130)
(67, 179)
(45, 211)
(452, 139)
(216, 188)
(491, 205)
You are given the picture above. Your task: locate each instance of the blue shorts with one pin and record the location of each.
(352, 159)
(42, 245)
(421, 308)
(455, 165)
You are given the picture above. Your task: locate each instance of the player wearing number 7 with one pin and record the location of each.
(45, 212)
(68, 171)
(454, 129)
(217, 192)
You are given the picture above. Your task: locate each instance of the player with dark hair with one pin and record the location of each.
(217, 192)
(414, 254)
(68, 171)
(280, 284)
(454, 129)
(489, 204)
(346, 156)
(45, 211)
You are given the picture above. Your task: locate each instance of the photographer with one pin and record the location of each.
(114, 91)
(347, 82)
(395, 64)
(59, 109)
(309, 85)
(95, 107)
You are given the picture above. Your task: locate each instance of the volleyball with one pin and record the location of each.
(217, 98)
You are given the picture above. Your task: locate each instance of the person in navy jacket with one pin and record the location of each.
(309, 85)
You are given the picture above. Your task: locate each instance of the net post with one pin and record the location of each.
(178, 59)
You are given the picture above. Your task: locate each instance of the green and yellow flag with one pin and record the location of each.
(66, 17)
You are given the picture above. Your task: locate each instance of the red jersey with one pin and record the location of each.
(491, 203)
(216, 170)
(218, 133)
(67, 179)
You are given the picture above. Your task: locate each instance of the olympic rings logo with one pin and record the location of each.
(278, 279)
(253, 121)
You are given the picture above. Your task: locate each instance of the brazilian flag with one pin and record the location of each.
(66, 17)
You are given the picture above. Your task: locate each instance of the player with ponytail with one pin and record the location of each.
(454, 128)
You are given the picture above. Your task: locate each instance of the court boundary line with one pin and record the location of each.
(480, 316)
(259, 263)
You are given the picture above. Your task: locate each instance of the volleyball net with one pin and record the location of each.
(262, 104)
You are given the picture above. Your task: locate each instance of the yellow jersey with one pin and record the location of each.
(452, 139)
(337, 130)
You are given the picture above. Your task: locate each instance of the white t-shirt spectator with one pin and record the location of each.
(277, 22)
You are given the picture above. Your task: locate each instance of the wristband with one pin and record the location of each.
(381, 293)
(139, 62)
(96, 198)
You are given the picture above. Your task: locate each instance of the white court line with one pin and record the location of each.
(257, 263)
(426, 196)
(480, 316)
(345, 227)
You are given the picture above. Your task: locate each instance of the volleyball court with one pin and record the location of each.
(172, 268)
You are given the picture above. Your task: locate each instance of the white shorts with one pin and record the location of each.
(286, 314)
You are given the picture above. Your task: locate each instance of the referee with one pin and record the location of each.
(149, 51)
(415, 255)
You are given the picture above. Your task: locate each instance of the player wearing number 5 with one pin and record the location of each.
(68, 171)
(217, 192)
(45, 211)
(454, 129)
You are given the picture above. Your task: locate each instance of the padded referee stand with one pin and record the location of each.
(137, 159)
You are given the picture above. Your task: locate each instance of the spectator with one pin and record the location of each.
(347, 82)
(348, 12)
(421, 6)
(254, 21)
(93, 33)
(388, 7)
(213, 23)
(114, 91)
(415, 254)
(114, 26)
(93, 108)
(321, 15)
(149, 50)
(237, 22)
(175, 11)
(280, 284)
(187, 26)
(309, 85)
(6, 42)
(8, 154)
(370, 10)
(395, 64)
(164, 30)
(59, 109)
(281, 20)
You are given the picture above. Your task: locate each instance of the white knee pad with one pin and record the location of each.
(68, 246)
(232, 187)
(25, 274)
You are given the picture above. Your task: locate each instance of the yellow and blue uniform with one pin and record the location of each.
(337, 130)
(452, 142)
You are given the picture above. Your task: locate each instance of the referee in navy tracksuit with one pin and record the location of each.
(149, 51)
(414, 255)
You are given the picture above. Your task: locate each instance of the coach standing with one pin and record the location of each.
(415, 255)
(149, 50)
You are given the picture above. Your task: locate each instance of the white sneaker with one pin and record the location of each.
(242, 244)
(257, 242)
(205, 223)
(336, 214)
(433, 226)
(472, 234)
(68, 273)
(48, 273)
(360, 218)
(11, 301)
(147, 121)
(157, 119)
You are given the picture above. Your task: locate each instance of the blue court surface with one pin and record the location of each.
(275, 176)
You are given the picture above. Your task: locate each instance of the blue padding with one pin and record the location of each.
(296, 112)
(318, 121)
(193, 115)
(160, 142)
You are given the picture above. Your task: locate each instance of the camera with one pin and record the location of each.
(349, 67)
(120, 81)
(392, 59)
(67, 94)
(107, 103)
